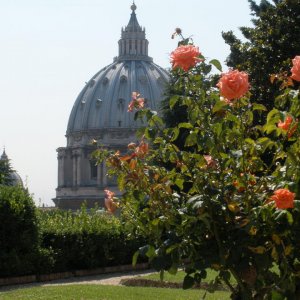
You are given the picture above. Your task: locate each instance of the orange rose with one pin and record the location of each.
(296, 68)
(286, 125)
(233, 84)
(283, 198)
(110, 205)
(185, 57)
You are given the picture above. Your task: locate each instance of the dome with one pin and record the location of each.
(14, 177)
(103, 102)
(100, 113)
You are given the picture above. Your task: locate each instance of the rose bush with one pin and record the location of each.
(227, 199)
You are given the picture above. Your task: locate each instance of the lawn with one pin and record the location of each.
(102, 292)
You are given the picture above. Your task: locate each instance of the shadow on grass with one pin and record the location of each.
(142, 282)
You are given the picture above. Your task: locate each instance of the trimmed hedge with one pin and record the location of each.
(18, 232)
(35, 241)
(84, 240)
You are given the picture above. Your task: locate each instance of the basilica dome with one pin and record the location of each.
(14, 178)
(103, 102)
(100, 113)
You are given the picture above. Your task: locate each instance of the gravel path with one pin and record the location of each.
(104, 279)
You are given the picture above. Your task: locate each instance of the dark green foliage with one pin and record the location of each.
(269, 47)
(18, 232)
(85, 240)
(174, 111)
(5, 173)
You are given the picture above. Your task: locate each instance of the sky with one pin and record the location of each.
(50, 48)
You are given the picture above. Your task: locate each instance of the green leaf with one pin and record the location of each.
(265, 143)
(188, 282)
(173, 101)
(289, 217)
(269, 128)
(171, 248)
(218, 129)
(256, 106)
(150, 133)
(191, 140)
(175, 134)
(217, 64)
(179, 182)
(219, 106)
(185, 125)
(273, 116)
(151, 252)
(277, 296)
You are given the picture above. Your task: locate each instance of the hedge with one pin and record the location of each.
(84, 240)
(18, 232)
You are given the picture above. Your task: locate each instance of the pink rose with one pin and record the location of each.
(233, 84)
(136, 102)
(185, 57)
(296, 68)
(110, 205)
(210, 162)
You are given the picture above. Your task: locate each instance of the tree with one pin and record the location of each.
(18, 232)
(5, 172)
(269, 47)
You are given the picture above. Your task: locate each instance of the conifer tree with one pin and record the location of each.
(269, 47)
(5, 173)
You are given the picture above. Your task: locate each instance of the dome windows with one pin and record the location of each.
(105, 81)
(92, 82)
(99, 102)
(123, 79)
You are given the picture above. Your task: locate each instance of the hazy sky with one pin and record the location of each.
(50, 48)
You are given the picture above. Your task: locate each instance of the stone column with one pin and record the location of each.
(79, 160)
(61, 167)
(143, 47)
(139, 47)
(127, 47)
(76, 158)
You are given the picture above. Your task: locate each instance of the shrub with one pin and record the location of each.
(85, 240)
(18, 232)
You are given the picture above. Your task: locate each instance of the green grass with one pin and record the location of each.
(102, 292)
